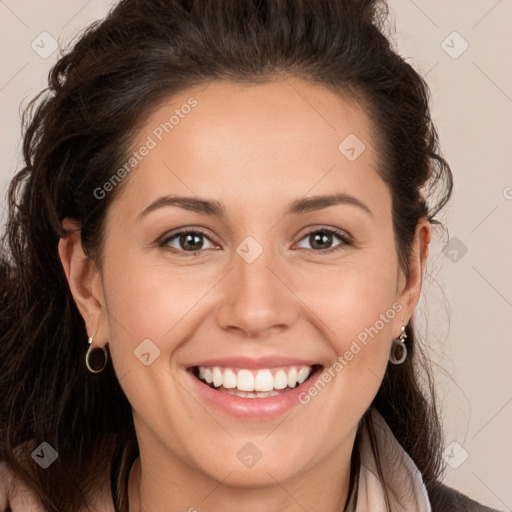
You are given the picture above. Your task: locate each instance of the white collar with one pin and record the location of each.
(402, 479)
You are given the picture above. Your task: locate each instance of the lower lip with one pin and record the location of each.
(252, 408)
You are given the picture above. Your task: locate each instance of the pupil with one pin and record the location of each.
(189, 239)
(319, 237)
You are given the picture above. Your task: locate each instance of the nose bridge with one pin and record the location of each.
(253, 274)
(256, 297)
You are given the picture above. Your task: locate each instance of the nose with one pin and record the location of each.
(258, 298)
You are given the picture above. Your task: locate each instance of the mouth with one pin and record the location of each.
(262, 383)
(249, 388)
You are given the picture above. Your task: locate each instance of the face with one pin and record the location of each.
(264, 282)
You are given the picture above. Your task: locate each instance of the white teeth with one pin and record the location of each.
(217, 377)
(229, 379)
(292, 377)
(245, 380)
(254, 383)
(264, 381)
(280, 380)
(244, 394)
(303, 374)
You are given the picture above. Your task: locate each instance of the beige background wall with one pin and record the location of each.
(472, 277)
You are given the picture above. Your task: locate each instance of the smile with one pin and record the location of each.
(251, 392)
(248, 383)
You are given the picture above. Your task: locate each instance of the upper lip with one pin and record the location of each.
(254, 363)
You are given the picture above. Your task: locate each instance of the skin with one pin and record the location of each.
(255, 149)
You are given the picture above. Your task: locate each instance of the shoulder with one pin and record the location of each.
(451, 500)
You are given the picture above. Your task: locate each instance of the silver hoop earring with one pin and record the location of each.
(92, 361)
(398, 353)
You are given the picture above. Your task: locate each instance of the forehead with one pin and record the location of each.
(226, 114)
(263, 141)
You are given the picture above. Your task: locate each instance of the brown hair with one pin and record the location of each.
(78, 132)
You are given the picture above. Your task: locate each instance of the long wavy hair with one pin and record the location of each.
(81, 128)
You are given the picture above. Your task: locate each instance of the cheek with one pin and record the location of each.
(146, 307)
(357, 316)
(151, 309)
(365, 309)
(357, 306)
(356, 300)
(149, 301)
(154, 309)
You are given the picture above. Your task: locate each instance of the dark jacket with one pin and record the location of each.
(447, 499)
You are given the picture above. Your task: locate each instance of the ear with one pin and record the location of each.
(84, 281)
(409, 288)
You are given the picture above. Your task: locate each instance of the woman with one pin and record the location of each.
(216, 247)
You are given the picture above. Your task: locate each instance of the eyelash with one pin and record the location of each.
(331, 231)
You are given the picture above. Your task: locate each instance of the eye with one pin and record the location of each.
(322, 238)
(191, 241)
(188, 241)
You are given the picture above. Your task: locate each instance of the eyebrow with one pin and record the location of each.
(215, 209)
